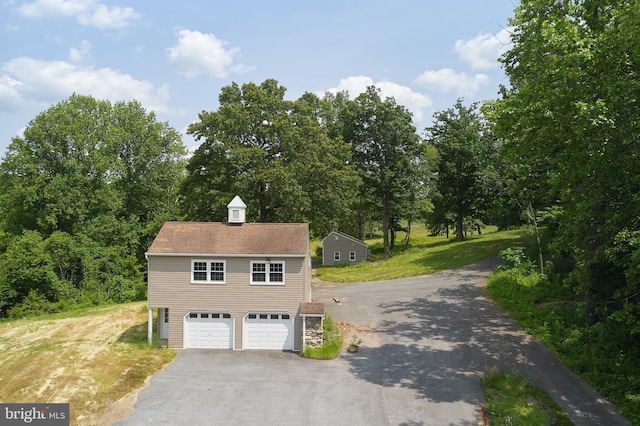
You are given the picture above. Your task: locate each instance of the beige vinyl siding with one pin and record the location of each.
(343, 245)
(171, 287)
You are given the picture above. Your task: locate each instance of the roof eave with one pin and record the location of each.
(147, 254)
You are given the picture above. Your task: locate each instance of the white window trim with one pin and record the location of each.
(267, 276)
(352, 256)
(209, 262)
(336, 256)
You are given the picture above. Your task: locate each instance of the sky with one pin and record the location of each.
(174, 57)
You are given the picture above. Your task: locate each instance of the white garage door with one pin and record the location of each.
(268, 331)
(208, 330)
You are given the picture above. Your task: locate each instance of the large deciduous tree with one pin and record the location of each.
(465, 151)
(274, 153)
(387, 152)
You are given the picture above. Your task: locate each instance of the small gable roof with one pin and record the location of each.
(225, 239)
(343, 235)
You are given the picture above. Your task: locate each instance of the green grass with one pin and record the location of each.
(332, 343)
(426, 254)
(513, 401)
(546, 310)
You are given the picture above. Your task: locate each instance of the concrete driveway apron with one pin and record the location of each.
(426, 343)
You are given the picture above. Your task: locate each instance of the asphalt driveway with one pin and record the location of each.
(426, 343)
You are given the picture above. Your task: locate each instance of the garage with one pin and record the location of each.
(209, 330)
(268, 331)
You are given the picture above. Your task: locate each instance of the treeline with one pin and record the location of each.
(84, 191)
(570, 126)
(82, 195)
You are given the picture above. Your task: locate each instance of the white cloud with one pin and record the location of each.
(413, 101)
(87, 12)
(483, 51)
(447, 80)
(9, 94)
(26, 80)
(197, 53)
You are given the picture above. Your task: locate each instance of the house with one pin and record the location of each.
(231, 285)
(338, 248)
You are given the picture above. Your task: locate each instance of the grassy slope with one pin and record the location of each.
(90, 359)
(426, 255)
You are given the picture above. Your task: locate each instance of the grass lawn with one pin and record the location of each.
(425, 255)
(513, 401)
(92, 359)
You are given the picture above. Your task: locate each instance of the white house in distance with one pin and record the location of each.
(232, 285)
(339, 248)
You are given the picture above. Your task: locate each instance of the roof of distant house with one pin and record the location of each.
(223, 238)
(342, 234)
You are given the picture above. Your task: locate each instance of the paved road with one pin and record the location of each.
(426, 343)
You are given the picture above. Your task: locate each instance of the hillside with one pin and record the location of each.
(96, 360)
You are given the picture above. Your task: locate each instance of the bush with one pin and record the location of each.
(515, 259)
(34, 304)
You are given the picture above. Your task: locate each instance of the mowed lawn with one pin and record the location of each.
(425, 255)
(95, 359)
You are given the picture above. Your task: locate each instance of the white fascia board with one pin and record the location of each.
(223, 255)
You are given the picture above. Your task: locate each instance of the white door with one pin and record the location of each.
(268, 331)
(208, 330)
(164, 322)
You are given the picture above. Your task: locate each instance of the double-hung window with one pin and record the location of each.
(336, 256)
(208, 271)
(352, 256)
(267, 272)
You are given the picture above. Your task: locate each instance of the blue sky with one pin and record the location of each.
(175, 56)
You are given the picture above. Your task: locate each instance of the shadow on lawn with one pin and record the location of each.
(464, 251)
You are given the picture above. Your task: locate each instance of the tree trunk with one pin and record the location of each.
(459, 228)
(360, 223)
(406, 243)
(386, 215)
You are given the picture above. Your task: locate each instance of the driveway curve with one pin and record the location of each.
(426, 343)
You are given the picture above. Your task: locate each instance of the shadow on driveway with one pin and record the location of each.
(437, 335)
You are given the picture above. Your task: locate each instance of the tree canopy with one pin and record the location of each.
(272, 152)
(386, 152)
(570, 120)
(466, 152)
(82, 195)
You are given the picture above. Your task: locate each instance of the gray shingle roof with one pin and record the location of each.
(223, 238)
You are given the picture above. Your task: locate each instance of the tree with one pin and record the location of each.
(87, 179)
(571, 116)
(271, 151)
(465, 147)
(386, 151)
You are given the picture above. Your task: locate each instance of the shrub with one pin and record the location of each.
(515, 259)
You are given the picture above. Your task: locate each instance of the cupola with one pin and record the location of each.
(237, 211)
